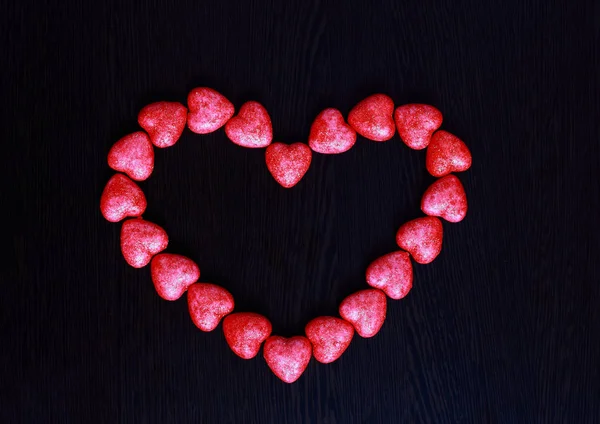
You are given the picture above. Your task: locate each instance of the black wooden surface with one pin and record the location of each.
(504, 327)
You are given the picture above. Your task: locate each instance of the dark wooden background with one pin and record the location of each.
(504, 327)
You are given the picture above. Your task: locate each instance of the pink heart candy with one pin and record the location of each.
(173, 274)
(245, 332)
(447, 153)
(422, 238)
(209, 110)
(372, 118)
(140, 240)
(365, 310)
(329, 133)
(445, 198)
(391, 273)
(288, 163)
(416, 123)
(121, 198)
(251, 127)
(208, 303)
(164, 122)
(330, 337)
(133, 155)
(287, 358)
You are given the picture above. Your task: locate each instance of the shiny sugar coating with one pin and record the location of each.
(251, 127)
(445, 198)
(422, 238)
(288, 163)
(287, 358)
(121, 198)
(173, 274)
(164, 122)
(330, 337)
(372, 118)
(209, 110)
(365, 310)
(391, 273)
(329, 133)
(208, 304)
(133, 155)
(447, 153)
(416, 123)
(245, 332)
(141, 240)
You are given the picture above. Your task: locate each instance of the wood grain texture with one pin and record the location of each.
(504, 327)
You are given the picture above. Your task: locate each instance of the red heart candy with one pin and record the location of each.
(330, 337)
(122, 198)
(287, 358)
(330, 134)
(173, 274)
(140, 240)
(245, 332)
(208, 303)
(164, 122)
(251, 127)
(416, 123)
(209, 110)
(365, 310)
(288, 163)
(445, 198)
(391, 273)
(133, 155)
(422, 238)
(372, 117)
(447, 153)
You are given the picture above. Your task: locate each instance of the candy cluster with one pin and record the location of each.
(326, 338)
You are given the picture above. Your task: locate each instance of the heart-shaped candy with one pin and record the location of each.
(288, 163)
(422, 238)
(209, 110)
(164, 122)
(121, 198)
(208, 303)
(251, 127)
(245, 332)
(447, 153)
(372, 117)
(416, 123)
(287, 358)
(140, 240)
(330, 337)
(391, 273)
(330, 134)
(445, 198)
(365, 310)
(173, 274)
(133, 155)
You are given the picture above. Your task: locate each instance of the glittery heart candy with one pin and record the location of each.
(447, 153)
(133, 155)
(208, 303)
(422, 238)
(173, 274)
(365, 310)
(251, 127)
(287, 358)
(121, 198)
(445, 198)
(391, 273)
(288, 163)
(209, 110)
(164, 122)
(140, 240)
(416, 123)
(245, 332)
(330, 337)
(330, 134)
(372, 117)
